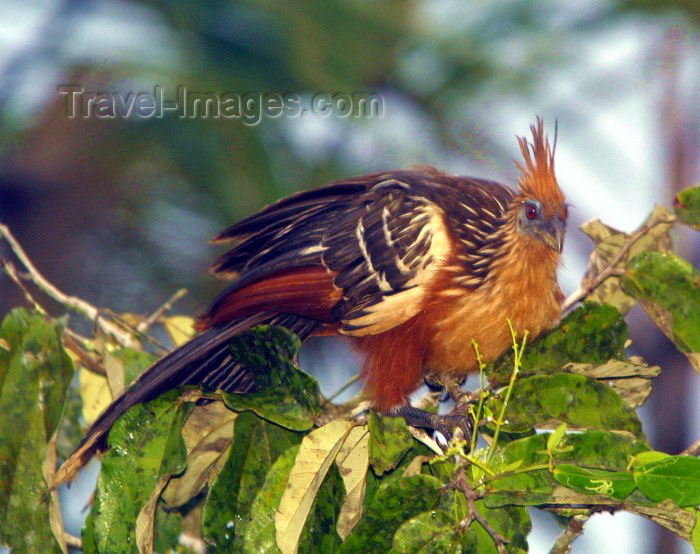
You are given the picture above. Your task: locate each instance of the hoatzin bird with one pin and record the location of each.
(410, 265)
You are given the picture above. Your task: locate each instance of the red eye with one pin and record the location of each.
(530, 211)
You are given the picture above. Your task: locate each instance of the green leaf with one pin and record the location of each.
(630, 378)
(686, 206)
(579, 401)
(554, 438)
(598, 449)
(389, 441)
(256, 445)
(145, 445)
(319, 533)
(673, 285)
(528, 488)
(433, 531)
(442, 471)
(87, 535)
(259, 532)
(593, 449)
(695, 536)
(591, 334)
(676, 478)
(608, 242)
(648, 457)
(391, 506)
(35, 373)
(512, 522)
(283, 394)
(618, 484)
(134, 362)
(167, 530)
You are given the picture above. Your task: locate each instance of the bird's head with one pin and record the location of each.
(540, 207)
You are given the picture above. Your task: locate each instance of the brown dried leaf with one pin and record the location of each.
(608, 241)
(48, 468)
(146, 518)
(94, 393)
(114, 367)
(180, 328)
(665, 513)
(318, 450)
(353, 461)
(414, 468)
(207, 434)
(631, 378)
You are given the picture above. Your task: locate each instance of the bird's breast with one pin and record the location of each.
(524, 291)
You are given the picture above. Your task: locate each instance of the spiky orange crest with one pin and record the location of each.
(537, 179)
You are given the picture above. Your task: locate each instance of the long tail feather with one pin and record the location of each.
(204, 360)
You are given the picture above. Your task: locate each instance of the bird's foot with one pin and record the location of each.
(452, 387)
(446, 424)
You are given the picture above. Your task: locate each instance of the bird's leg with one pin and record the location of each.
(445, 424)
(452, 386)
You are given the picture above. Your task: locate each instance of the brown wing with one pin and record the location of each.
(307, 291)
(358, 252)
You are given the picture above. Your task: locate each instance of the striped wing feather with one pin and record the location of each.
(360, 252)
(372, 245)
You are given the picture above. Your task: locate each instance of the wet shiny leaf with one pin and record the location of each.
(35, 373)
(686, 206)
(284, 394)
(389, 441)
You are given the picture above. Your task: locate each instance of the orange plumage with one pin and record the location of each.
(522, 287)
(410, 265)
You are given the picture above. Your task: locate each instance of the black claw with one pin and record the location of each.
(433, 383)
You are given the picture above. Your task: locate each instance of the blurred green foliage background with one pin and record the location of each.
(118, 211)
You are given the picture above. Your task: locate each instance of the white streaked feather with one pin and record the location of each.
(394, 309)
(383, 284)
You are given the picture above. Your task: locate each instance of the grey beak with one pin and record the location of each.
(552, 233)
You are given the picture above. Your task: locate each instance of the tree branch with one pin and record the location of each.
(611, 270)
(692, 450)
(76, 304)
(155, 316)
(463, 484)
(563, 543)
(11, 271)
(72, 541)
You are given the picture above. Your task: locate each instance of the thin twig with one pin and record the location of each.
(611, 269)
(13, 274)
(692, 450)
(350, 382)
(74, 342)
(72, 302)
(72, 541)
(155, 316)
(125, 325)
(518, 349)
(461, 481)
(563, 543)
